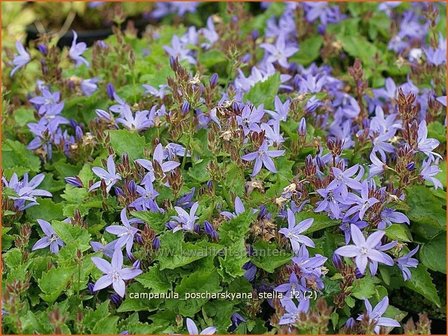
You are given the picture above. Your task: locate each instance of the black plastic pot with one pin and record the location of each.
(87, 36)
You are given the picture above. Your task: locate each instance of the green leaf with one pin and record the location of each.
(136, 301)
(269, 257)
(437, 130)
(425, 208)
(92, 316)
(124, 141)
(233, 179)
(23, 116)
(106, 325)
(15, 155)
(421, 282)
(309, 50)
(47, 209)
(54, 282)
(358, 46)
(321, 221)
(399, 232)
(155, 279)
(74, 195)
(72, 235)
(433, 253)
(200, 281)
(364, 288)
(12, 258)
(199, 171)
(174, 252)
(203, 280)
(212, 58)
(155, 220)
(235, 257)
(235, 229)
(264, 92)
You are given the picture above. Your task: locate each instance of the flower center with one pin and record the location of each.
(115, 276)
(364, 250)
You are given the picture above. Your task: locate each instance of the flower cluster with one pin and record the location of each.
(291, 160)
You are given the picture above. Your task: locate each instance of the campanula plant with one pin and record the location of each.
(242, 168)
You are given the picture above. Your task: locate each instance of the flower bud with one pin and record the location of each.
(132, 187)
(136, 264)
(90, 288)
(110, 91)
(410, 166)
(115, 299)
(118, 191)
(210, 230)
(156, 243)
(197, 228)
(78, 133)
(263, 212)
(102, 44)
(302, 127)
(74, 181)
(173, 63)
(255, 34)
(43, 49)
(103, 115)
(214, 80)
(185, 107)
(337, 261)
(350, 324)
(358, 273)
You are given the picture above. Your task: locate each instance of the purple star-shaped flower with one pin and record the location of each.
(26, 190)
(330, 203)
(114, 273)
(293, 232)
(360, 204)
(76, 50)
(48, 103)
(51, 238)
(293, 311)
(107, 249)
(364, 250)
(146, 201)
(158, 157)
(272, 133)
(407, 261)
(389, 216)
(139, 122)
(250, 118)
(375, 315)
(21, 59)
(430, 169)
(263, 157)
(89, 86)
(280, 51)
(436, 56)
(186, 221)
(292, 287)
(159, 93)
(343, 179)
(125, 233)
(178, 50)
(424, 144)
(193, 329)
(110, 176)
(239, 209)
(281, 109)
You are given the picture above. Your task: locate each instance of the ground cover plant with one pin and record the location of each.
(238, 168)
